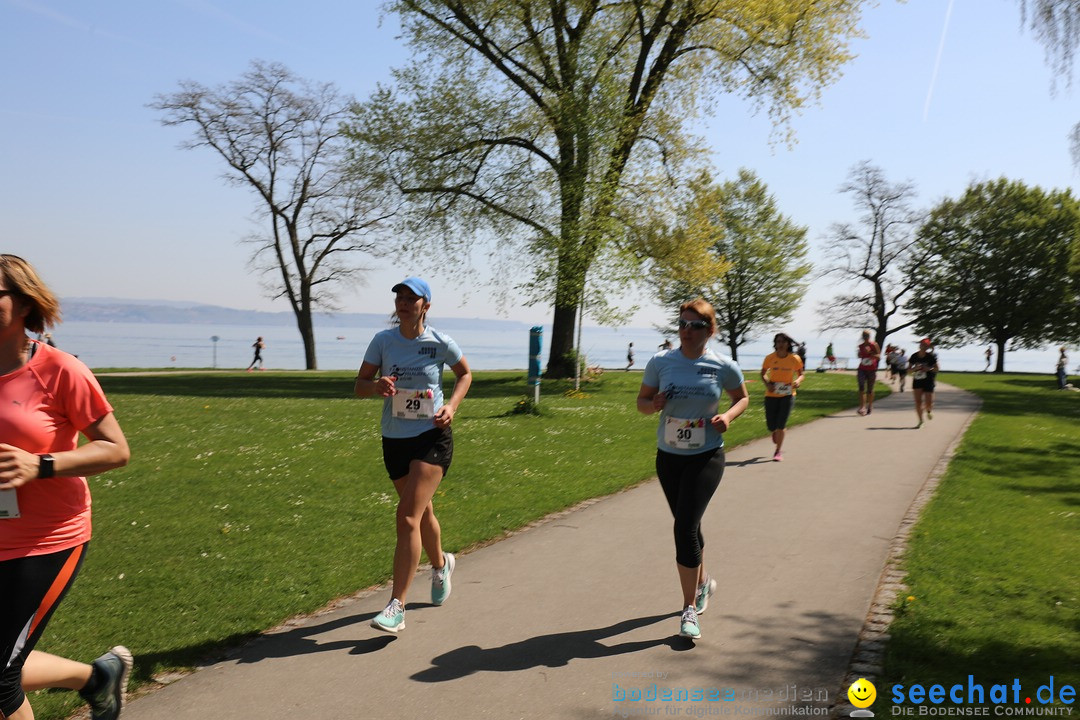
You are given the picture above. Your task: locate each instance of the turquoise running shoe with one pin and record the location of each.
(689, 627)
(391, 619)
(111, 670)
(704, 592)
(440, 579)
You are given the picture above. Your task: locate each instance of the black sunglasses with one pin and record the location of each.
(693, 324)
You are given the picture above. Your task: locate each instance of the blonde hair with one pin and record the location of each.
(702, 307)
(21, 279)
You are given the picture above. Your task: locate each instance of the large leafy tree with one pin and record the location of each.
(281, 137)
(556, 126)
(755, 258)
(867, 257)
(1056, 24)
(996, 268)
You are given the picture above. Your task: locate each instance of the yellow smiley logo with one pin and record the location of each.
(862, 693)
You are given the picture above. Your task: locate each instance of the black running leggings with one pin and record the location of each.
(30, 589)
(689, 482)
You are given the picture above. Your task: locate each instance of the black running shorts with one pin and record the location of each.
(435, 447)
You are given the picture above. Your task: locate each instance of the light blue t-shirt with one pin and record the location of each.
(694, 389)
(418, 366)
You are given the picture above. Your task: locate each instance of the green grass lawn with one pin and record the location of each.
(994, 563)
(253, 497)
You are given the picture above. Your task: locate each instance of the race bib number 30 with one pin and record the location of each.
(414, 404)
(684, 433)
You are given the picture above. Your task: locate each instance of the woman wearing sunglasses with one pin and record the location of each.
(47, 399)
(685, 385)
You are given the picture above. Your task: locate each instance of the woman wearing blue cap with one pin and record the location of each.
(418, 444)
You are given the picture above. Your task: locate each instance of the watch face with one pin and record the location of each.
(46, 467)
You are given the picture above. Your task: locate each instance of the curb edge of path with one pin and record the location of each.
(868, 658)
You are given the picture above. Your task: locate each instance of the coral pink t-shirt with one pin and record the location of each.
(43, 407)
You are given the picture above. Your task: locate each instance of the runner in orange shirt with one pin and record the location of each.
(782, 373)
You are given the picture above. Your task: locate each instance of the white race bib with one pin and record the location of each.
(9, 504)
(782, 388)
(410, 404)
(919, 375)
(868, 363)
(684, 434)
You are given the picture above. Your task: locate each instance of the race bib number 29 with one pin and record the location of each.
(414, 404)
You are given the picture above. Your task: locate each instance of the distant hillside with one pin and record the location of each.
(112, 310)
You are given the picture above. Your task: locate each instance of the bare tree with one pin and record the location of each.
(871, 256)
(281, 136)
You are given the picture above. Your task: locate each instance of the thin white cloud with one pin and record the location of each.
(68, 21)
(213, 11)
(937, 61)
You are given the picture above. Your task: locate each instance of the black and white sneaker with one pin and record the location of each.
(111, 671)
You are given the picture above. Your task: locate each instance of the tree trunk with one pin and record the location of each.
(881, 333)
(569, 291)
(307, 335)
(1000, 366)
(560, 361)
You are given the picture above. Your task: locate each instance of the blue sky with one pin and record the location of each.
(96, 193)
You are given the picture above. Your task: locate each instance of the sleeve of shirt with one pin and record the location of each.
(374, 353)
(652, 373)
(453, 352)
(733, 378)
(81, 397)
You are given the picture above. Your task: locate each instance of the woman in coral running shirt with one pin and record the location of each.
(47, 399)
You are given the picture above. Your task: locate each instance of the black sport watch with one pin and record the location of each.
(46, 466)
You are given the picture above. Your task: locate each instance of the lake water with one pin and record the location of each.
(488, 345)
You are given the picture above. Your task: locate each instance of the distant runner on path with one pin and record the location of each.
(259, 345)
(782, 373)
(869, 353)
(924, 369)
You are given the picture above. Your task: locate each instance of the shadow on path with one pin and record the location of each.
(554, 650)
(304, 641)
(749, 461)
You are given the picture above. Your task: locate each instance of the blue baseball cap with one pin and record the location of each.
(417, 285)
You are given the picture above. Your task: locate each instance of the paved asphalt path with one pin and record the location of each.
(563, 620)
